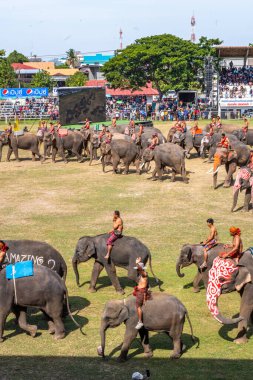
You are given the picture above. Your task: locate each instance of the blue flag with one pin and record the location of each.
(19, 270)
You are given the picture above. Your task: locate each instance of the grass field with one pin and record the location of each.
(59, 203)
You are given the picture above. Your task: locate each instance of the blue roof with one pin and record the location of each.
(96, 59)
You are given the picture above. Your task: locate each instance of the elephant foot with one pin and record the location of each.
(121, 291)
(148, 354)
(153, 179)
(196, 290)
(51, 330)
(226, 184)
(245, 209)
(92, 290)
(172, 180)
(242, 340)
(1, 340)
(32, 330)
(122, 359)
(175, 355)
(59, 336)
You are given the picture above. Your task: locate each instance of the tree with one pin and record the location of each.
(42, 79)
(76, 80)
(7, 74)
(168, 61)
(16, 57)
(72, 59)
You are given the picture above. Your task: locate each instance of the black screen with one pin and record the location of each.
(77, 104)
(187, 97)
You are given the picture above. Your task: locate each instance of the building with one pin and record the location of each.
(24, 72)
(91, 65)
(239, 55)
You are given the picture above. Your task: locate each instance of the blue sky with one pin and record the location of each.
(53, 26)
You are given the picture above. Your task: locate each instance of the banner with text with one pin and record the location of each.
(236, 103)
(36, 92)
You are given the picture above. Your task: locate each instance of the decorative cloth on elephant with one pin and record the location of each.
(219, 274)
(63, 132)
(245, 174)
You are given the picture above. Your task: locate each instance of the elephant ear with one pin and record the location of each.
(242, 278)
(90, 250)
(116, 310)
(232, 155)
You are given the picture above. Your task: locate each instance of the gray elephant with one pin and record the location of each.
(44, 290)
(72, 142)
(239, 155)
(193, 254)
(124, 254)
(27, 141)
(40, 253)
(167, 154)
(240, 279)
(245, 138)
(162, 313)
(245, 182)
(121, 150)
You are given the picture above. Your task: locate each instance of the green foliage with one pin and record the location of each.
(72, 59)
(62, 66)
(76, 80)
(16, 57)
(42, 79)
(7, 74)
(168, 61)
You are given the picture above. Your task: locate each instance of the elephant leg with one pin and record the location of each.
(59, 327)
(21, 316)
(51, 326)
(15, 151)
(61, 152)
(246, 309)
(115, 164)
(159, 170)
(130, 335)
(231, 168)
(111, 271)
(3, 315)
(91, 155)
(33, 156)
(137, 165)
(77, 154)
(10, 150)
(173, 176)
(126, 170)
(97, 269)
(175, 334)
(145, 342)
(196, 282)
(247, 199)
(54, 151)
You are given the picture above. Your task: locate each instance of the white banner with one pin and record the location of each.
(236, 103)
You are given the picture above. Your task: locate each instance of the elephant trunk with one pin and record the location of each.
(235, 199)
(101, 349)
(178, 267)
(74, 264)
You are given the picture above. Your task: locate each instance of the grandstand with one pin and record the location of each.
(29, 109)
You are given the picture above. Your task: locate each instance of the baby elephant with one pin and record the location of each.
(44, 290)
(162, 312)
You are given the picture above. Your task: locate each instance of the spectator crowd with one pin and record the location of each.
(236, 82)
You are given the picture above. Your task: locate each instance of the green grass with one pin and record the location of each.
(58, 203)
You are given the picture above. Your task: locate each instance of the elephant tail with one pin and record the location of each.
(151, 269)
(194, 338)
(69, 312)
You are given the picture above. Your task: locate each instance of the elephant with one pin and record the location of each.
(123, 150)
(247, 139)
(163, 313)
(167, 154)
(239, 155)
(124, 254)
(243, 184)
(44, 290)
(226, 277)
(27, 141)
(193, 254)
(40, 253)
(73, 142)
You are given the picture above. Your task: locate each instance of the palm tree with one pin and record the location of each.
(72, 59)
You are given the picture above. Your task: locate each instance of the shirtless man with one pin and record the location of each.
(115, 234)
(245, 128)
(141, 290)
(114, 122)
(154, 141)
(86, 124)
(218, 123)
(210, 242)
(236, 247)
